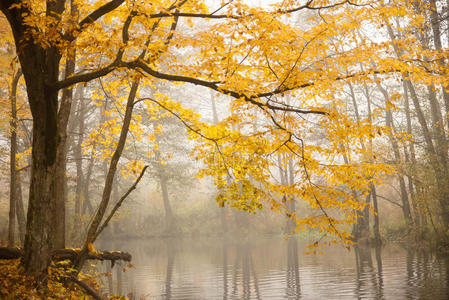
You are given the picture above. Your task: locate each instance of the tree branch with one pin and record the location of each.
(86, 77)
(119, 203)
(99, 12)
(308, 5)
(214, 85)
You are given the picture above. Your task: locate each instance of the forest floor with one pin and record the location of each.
(15, 285)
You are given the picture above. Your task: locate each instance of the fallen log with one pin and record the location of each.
(89, 290)
(10, 253)
(70, 254)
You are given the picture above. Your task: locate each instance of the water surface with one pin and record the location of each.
(272, 268)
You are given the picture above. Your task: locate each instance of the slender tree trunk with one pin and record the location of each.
(59, 184)
(291, 205)
(438, 160)
(12, 160)
(397, 158)
(377, 236)
(86, 195)
(441, 150)
(435, 24)
(116, 197)
(361, 228)
(163, 181)
(94, 226)
(87, 206)
(411, 150)
(20, 210)
(78, 155)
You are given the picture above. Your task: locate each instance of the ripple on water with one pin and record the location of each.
(267, 269)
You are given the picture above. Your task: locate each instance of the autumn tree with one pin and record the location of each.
(249, 54)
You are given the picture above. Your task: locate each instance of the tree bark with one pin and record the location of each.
(40, 68)
(12, 160)
(78, 155)
(20, 211)
(435, 24)
(59, 184)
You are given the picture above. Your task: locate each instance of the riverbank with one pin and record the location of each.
(15, 285)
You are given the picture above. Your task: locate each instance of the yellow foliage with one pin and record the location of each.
(14, 284)
(286, 84)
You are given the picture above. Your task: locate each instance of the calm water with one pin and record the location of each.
(272, 268)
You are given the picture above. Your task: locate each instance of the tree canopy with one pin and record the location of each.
(282, 72)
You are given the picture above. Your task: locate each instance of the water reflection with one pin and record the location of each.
(366, 278)
(225, 269)
(380, 280)
(293, 286)
(244, 275)
(272, 268)
(169, 272)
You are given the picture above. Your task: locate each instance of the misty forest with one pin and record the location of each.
(224, 149)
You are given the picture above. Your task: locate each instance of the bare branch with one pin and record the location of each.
(308, 5)
(119, 203)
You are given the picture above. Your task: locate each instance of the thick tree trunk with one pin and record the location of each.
(40, 235)
(40, 68)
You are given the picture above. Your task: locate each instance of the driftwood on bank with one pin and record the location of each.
(89, 290)
(71, 254)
